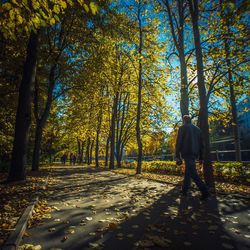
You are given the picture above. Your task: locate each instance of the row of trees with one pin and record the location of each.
(99, 76)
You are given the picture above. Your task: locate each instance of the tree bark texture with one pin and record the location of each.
(112, 132)
(235, 122)
(204, 125)
(23, 114)
(178, 38)
(139, 96)
(41, 119)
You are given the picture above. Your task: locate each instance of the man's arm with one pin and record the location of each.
(178, 143)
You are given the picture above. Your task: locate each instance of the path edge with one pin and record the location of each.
(16, 236)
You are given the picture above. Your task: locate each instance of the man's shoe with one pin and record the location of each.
(204, 196)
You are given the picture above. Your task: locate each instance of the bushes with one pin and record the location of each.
(160, 167)
(233, 171)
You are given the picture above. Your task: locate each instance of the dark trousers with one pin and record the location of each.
(191, 172)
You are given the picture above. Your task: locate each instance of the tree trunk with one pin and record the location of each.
(82, 150)
(207, 166)
(178, 38)
(87, 151)
(37, 147)
(184, 102)
(41, 121)
(78, 150)
(23, 114)
(91, 152)
(107, 152)
(139, 96)
(98, 130)
(112, 132)
(235, 122)
(97, 150)
(118, 152)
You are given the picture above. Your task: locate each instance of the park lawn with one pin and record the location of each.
(15, 197)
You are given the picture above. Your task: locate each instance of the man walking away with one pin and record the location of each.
(189, 146)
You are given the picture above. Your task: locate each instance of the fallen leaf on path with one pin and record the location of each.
(102, 221)
(160, 241)
(130, 235)
(69, 231)
(146, 243)
(112, 226)
(94, 245)
(26, 234)
(135, 226)
(225, 237)
(7, 207)
(64, 238)
(56, 208)
(227, 246)
(29, 247)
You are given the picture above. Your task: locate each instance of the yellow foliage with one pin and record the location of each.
(86, 7)
(35, 4)
(7, 6)
(52, 21)
(94, 7)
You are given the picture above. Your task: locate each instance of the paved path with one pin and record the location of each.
(106, 210)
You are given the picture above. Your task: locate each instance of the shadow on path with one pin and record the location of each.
(137, 214)
(176, 223)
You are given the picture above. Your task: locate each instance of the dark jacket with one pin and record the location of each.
(189, 142)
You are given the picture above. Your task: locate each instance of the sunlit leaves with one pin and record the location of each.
(94, 8)
(19, 16)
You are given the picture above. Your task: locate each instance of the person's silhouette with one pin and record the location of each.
(189, 146)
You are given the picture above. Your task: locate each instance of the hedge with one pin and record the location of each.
(231, 171)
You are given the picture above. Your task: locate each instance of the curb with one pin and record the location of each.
(16, 236)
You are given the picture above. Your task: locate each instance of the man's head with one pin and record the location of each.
(186, 119)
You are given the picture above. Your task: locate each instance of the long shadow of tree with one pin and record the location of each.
(175, 223)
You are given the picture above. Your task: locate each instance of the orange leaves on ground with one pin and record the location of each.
(41, 211)
(15, 197)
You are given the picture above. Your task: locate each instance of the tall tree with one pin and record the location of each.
(203, 112)
(176, 19)
(226, 13)
(23, 114)
(139, 95)
(27, 17)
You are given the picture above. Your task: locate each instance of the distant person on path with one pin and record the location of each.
(189, 146)
(64, 158)
(71, 158)
(74, 159)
